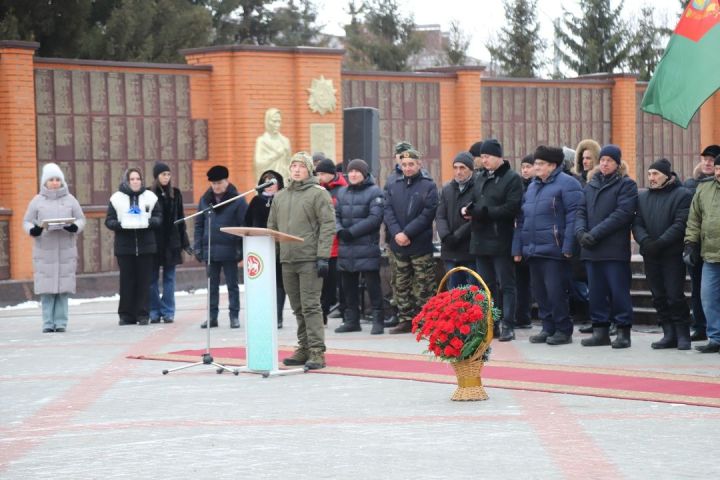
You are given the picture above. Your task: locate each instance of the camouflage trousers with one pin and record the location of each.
(414, 283)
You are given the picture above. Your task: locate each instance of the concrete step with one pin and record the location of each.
(639, 282)
(643, 298)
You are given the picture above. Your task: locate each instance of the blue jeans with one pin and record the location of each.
(54, 310)
(610, 301)
(460, 278)
(709, 295)
(550, 284)
(162, 306)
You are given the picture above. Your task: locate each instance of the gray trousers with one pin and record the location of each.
(54, 310)
(303, 287)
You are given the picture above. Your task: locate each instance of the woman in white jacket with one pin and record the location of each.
(55, 248)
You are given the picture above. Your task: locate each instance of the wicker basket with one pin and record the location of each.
(469, 371)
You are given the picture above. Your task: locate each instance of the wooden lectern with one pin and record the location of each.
(261, 345)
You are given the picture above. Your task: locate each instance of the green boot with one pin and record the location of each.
(299, 357)
(316, 360)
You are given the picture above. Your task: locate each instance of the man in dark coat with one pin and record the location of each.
(602, 228)
(410, 205)
(225, 249)
(358, 217)
(522, 270)
(496, 198)
(453, 229)
(659, 228)
(703, 172)
(545, 237)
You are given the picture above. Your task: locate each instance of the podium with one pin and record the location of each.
(261, 345)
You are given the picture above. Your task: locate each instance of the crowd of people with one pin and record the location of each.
(556, 234)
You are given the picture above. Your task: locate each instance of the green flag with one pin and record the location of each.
(689, 72)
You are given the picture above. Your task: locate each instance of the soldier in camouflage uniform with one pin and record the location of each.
(410, 204)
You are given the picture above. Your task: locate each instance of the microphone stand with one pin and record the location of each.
(207, 358)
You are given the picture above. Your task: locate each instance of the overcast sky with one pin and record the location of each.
(481, 19)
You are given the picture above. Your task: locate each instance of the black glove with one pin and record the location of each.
(323, 267)
(345, 235)
(36, 231)
(691, 254)
(72, 228)
(649, 248)
(587, 241)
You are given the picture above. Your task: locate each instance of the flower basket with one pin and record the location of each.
(458, 325)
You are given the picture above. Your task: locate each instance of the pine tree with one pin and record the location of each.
(457, 44)
(518, 48)
(647, 45)
(597, 41)
(296, 25)
(384, 39)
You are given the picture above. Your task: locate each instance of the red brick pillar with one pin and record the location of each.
(624, 119)
(18, 159)
(710, 121)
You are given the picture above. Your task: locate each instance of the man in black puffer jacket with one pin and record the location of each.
(497, 195)
(225, 249)
(659, 228)
(602, 227)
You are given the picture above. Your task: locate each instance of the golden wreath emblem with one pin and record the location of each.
(322, 96)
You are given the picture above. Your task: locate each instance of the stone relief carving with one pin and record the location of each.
(322, 96)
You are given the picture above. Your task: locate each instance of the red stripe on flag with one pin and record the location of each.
(698, 18)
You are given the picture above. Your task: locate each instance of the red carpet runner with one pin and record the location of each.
(599, 382)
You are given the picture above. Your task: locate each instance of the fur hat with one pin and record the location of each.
(325, 166)
(590, 146)
(306, 159)
(267, 174)
(717, 161)
(549, 154)
(491, 147)
(466, 159)
(52, 170)
(612, 151)
(662, 165)
(475, 149)
(711, 151)
(359, 165)
(217, 173)
(159, 168)
(530, 158)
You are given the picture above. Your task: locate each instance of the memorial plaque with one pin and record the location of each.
(322, 139)
(43, 92)
(116, 93)
(167, 95)
(102, 184)
(107, 250)
(168, 139)
(83, 182)
(81, 138)
(151, 135)
(100, 140)
(4, 250)
(134, 138)
(81, 92)
(184, 139)
(150, 95)
(184, 179)
(64, 138)
(422, 100)
(98, 92)
(117, 170)
(45, 137)
(62, 91)
(133, 94)
(118, 138)
(396, 100)
(182, 95)
(200, 139)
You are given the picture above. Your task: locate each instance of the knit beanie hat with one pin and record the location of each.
(662, 165)
(466, 159)
(612, 151)
(325, 166)
(306, 159)
(530, 158)
(475, 149)
(217, 173)
(52, 170)
(359, 165)
(491, 147)
(549, 154)
(159, 168)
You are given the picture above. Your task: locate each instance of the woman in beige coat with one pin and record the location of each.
(55, 250)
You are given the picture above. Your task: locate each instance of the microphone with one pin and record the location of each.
(272, 181)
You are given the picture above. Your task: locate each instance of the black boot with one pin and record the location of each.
(669, 339)
(378, 323)
(699, 334)
(352, 322)
(682, 332)
(586, 329)
(623, 337)
(392, 321)
(506, 334)
(613, 330)
(234, 322)
(213, 324)
(600, 337)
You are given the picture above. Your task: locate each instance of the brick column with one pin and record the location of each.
(18, 159)
(624, 117)
(710, 121)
